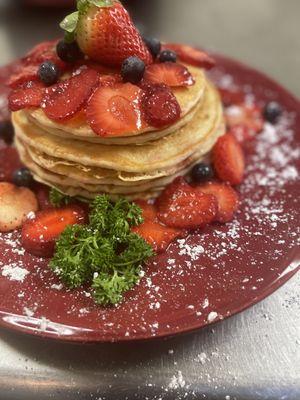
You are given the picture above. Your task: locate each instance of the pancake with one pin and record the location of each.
(49, 127)
(92, 175)
(96, 186)
(83, 194)
(188, 98)
(160, 154)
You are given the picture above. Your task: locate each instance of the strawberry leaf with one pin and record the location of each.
(69, 24)
(83, 5)
(102, 3)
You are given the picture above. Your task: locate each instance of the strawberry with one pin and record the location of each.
(23, 75)
(45, 51)
(229, 160)
(115, 111)
(40, 233)
(231, 96)
(159, 105)
(227, 197)
(102, 69)
(110, 80)
(42, 193)
(15, 204)
(30, 94)
(9, 163)
(65, 99)
(156, 234)
(244, 121)
(178, 183)
(182, 206)
(28, 69)
(242, 133)
(106, 34)
(191, 55)
(170, 74)
(149, 210)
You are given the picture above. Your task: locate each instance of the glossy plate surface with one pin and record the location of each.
(209, 276)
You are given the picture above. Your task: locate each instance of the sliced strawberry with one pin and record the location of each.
(28, 69)
(15, 204)
(9, 163)
(229, 160)
(156, 234)
(191, 55)
(149, 210)
(23, 75)
(159, 105)
(231, 96)
(170, 74)
(102, 69)
(42, 194)
(40, 233)
(186, 208)
(45, 51)
(242, 133)
(115, 111)
(227, 197)
(28, 95)
(37, 53)
(64, 99)
(178, 184)
(244, 121)
(110, 80)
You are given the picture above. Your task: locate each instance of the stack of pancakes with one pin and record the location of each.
(72, 158)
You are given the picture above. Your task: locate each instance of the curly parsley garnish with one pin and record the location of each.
(104, 254)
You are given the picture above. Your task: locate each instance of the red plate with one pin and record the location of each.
(210, 276)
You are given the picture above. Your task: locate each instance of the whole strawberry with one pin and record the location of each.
(105, 32)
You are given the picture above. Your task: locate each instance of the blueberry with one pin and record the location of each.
(167, 56)
(153, 45)
(6, 132)
(49, 73)
(201, 173)
(132, 70)
(272, 112)
(23, 177)
(68, 52)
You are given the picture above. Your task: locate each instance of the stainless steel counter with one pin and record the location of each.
(252, 356)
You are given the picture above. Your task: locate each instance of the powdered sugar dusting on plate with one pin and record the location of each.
(14, 272)
(200, 279)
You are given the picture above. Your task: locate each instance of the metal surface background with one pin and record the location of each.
(252, 356)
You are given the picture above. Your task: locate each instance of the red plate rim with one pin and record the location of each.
(292, 266)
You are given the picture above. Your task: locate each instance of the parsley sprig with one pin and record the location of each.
(105, 254)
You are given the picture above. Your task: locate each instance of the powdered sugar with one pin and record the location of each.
(192, 252)
(212, 316)
(14, 272)
(201, 358)
(177, 381)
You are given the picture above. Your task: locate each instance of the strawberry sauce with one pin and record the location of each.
(205, 277)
